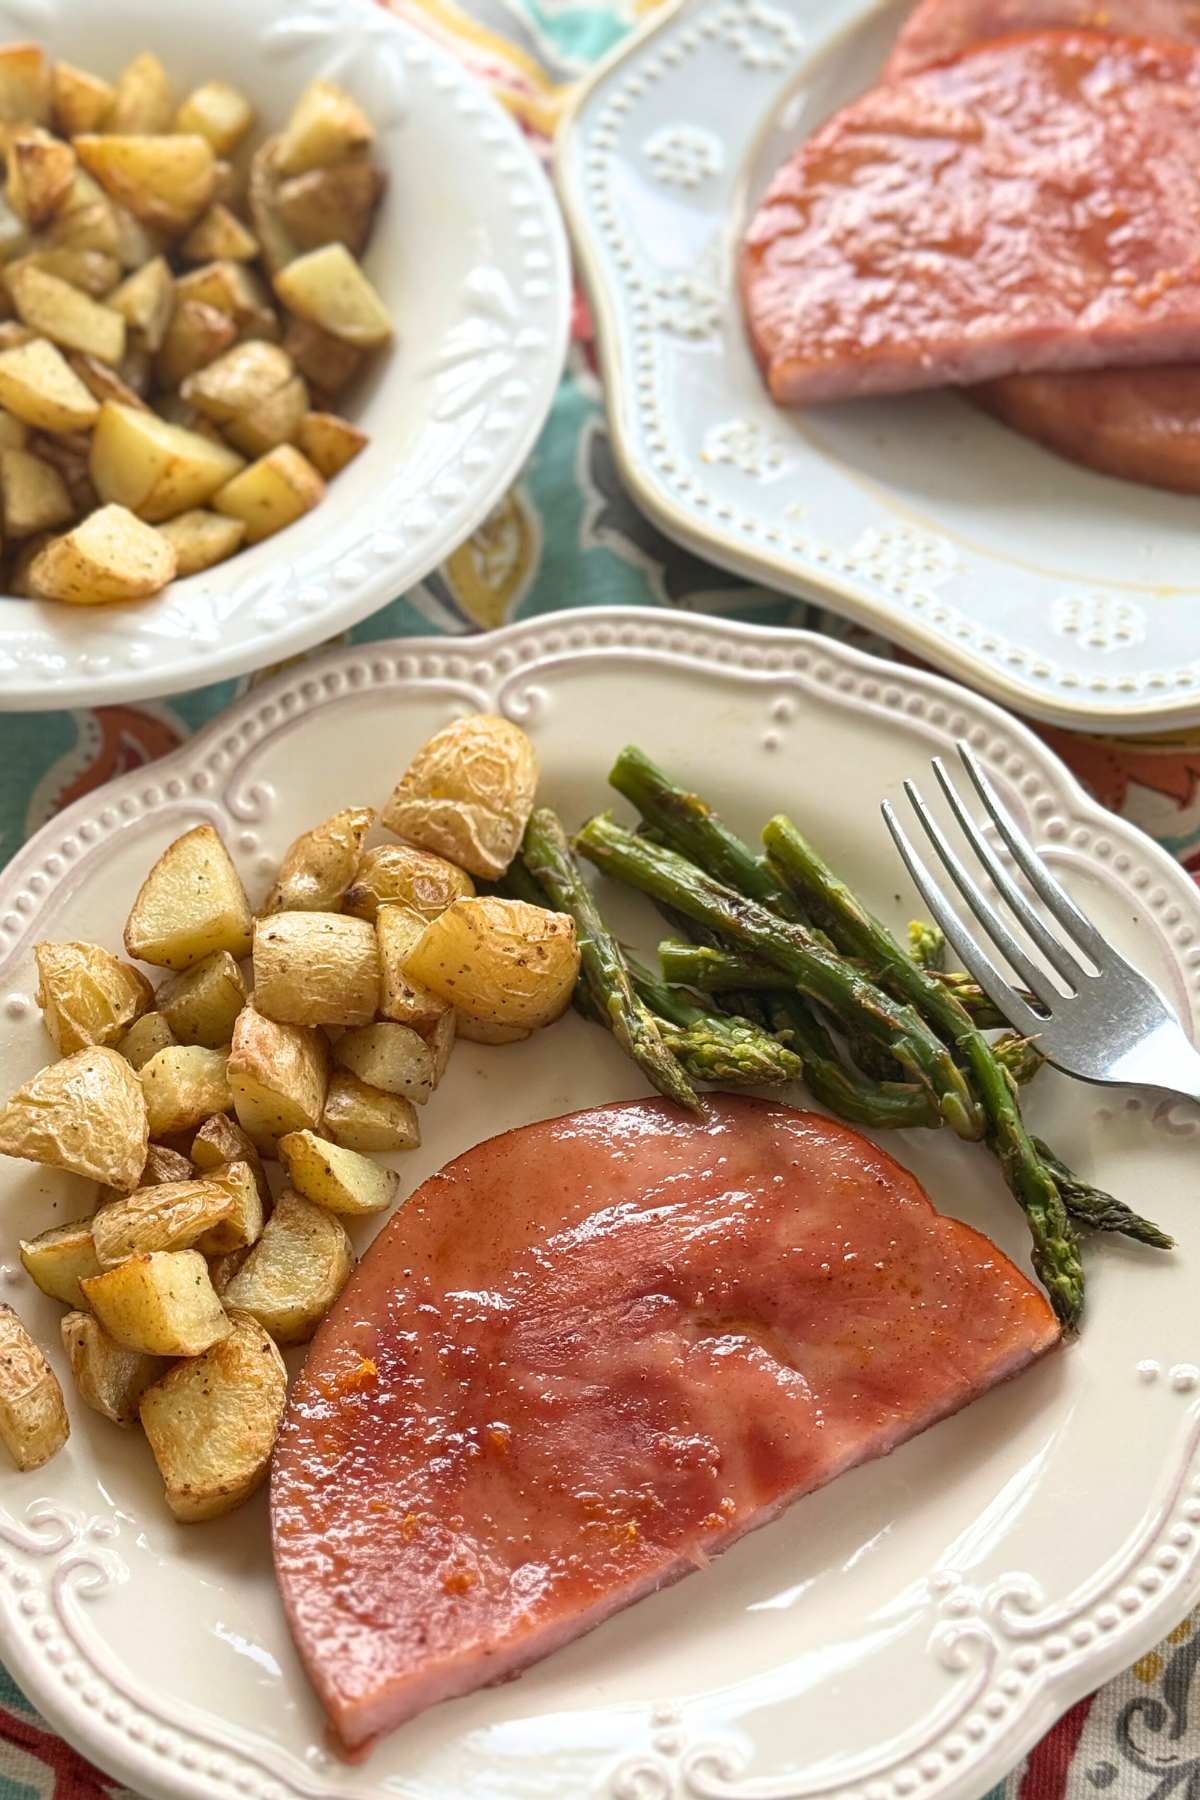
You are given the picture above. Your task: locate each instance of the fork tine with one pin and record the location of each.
(1057, 900)
(1055, 953)
(974, 959)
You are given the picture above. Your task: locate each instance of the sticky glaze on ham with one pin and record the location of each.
(937, 30)
(589, 1355)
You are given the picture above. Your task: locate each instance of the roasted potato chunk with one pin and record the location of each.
(326, 363)
(143, 101)
(162, 1165)
(332, 205)
(25, 91)
(243, 1224)
(41, 170)
(440, 1039)
(14, 433)
(278, 1074)
(155, 469)
(86, 995)
(110, 556)
(389, 1056)
(191, 905)
(201, 539)
(35, 496)
(221, 1141)
(234, 289)
(109, 1378)
(239, 380)
(320, 865)
(184, 1085)
(487, 1031)
(201, 1004)
(401, 875)
(39, 386)
(212, 1423)
(295, 1272)
(173, 1215)
(90, 270)
(341, 1180)
(273, 492)
(166, 181)
(358, 1117)
(276, 420)
(468, 793)
(145, 1038)
(64, 314)
(329, 288)
(326, 126)
(219, 112)
(314, 968)
(329, 442)
(500, 961)
(146, 300)
(33, 1413)
(105, 384)
(195, 334)
(401, 998)
(58, 1259)
(86, 1113)
(219, 236)
(161, 1303)
(81, 101)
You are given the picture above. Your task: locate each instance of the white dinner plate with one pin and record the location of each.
(1067, 594)
(469, 254)
(909, 1630)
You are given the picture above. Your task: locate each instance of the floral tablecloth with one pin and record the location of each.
(567, 535)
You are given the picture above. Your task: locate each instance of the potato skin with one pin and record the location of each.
(499, 961)
(316, 968)
(87, 995)
(184, 1085)
(468, 793)
(190, 905)
(320, 865)
(278, 1074)
(402, 875)
(160, 1302)
(109, 1378)
(87, 1114)
(295, 1272)
(33, 1414)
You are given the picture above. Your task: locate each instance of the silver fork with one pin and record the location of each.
(1112, 1024)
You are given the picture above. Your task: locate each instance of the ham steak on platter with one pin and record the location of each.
(592, 1353)
(1033, 205)
(937, 30)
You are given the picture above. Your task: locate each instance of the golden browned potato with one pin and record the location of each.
(316, 968)
(162, 1164)
(58, 1259)
(389, 1056)
(358, 1117)
(143, 101)
(401, 998)
(33, 1414)
(327, 364)
(109, 1378)
(329, 288)
(161, 1303)
(201, 539)
(86, 995)
(468, 794)
(331, 205)
(219, 236)
(154, 468)
(402, 875)
(82, 224)
(39, 386)
(201, 1004)
(218, 111)
(24, 84)
(146, 300)
(341, 1180)
(86, 1113)
(184, 1085)
(319, 866)
(41, 170)
(110, 555)
(145, 1038)
(326, 126)
(191, 905)
(278, 1074)
(81, 100)
(64, 314)
(212, 1423)
(273, 492)
(90, 270)
(35, 496)
(14, 433)
(329, 442)
(295, 1272)
(164, 181)
(221, 1141)
(195, 334)
(173, 1215)
(223, 1268)
(486, 1031)
(239, 380)
(500, 961)
(243, 1224)
(275, 241)
(276, 420)
(136, 244)
(234, 289)
(105, 384)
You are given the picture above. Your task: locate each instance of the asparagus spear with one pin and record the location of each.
(1055, 1247)
(715, 1046)
(927, 944)
(1092, 1206)
(817, 972)
(548, 864)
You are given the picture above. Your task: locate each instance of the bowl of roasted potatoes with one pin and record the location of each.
(283, 298)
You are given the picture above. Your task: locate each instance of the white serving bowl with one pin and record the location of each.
(469, 254)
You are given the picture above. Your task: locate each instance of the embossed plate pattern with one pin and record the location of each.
(1064, 593)
(470, 256)
(910, 1630)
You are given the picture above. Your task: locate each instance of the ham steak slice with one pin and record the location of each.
(1033, 205)
(592, 1353)
(937, 30)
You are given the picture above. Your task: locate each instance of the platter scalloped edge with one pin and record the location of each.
(1023, 1662)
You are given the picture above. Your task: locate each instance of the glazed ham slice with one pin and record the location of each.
(937, 30)
(1033, 205)
(592, 1353)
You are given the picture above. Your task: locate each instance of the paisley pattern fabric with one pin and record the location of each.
(568, 535)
